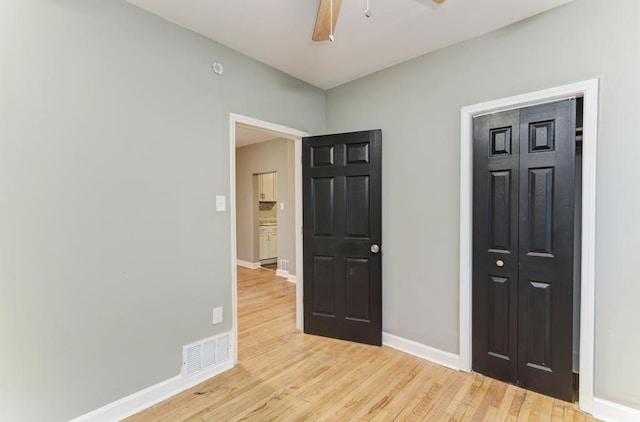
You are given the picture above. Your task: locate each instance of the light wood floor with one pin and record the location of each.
(288, 376)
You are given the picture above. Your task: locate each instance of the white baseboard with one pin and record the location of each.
(146, 398)
(247, 264)
(290, 277)
(450, 360)
(614, 412)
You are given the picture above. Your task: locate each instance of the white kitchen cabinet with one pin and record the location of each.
(268, 242)
(264, 246)
(273, 244)
(267, 187)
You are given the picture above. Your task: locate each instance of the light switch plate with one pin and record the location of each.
(217, 315)
(281, 206)
(221, 203)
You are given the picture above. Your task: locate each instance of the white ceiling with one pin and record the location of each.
(278, 32)
(248, 135)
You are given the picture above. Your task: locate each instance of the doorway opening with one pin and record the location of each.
(282, 197)
(589, 91)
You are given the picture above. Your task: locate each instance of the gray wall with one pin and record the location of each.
(417, 106)
(275, 155)
(114, 141)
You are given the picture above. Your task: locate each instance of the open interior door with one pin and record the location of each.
(342, 254)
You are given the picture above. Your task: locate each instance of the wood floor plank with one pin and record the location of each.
(364, 393)
(491, 401)
(427, 383)
(284, 375)
(403, 398)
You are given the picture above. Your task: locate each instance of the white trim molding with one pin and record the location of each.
(614, 412)
(589, 91)
(290, 277)
(450, 360)
(247, 264)
(146, 398)
(298, 233)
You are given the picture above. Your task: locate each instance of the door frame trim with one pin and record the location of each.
(588, 89)
(289, 133)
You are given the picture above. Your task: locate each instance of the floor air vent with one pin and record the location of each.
(205, 354)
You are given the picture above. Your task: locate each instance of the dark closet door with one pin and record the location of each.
(496, 165)
(523, 246)
(341, 176)
(547, 179)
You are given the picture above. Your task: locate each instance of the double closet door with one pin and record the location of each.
(523, 246)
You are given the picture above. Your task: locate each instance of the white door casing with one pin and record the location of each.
(589, 91)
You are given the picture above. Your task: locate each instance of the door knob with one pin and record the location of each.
(375, 248)
(500, 263)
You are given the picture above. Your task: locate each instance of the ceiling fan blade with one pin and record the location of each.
(323, 26)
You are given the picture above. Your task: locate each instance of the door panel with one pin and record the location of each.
(499, 333)
(357, 207)
(500, 211)
(537, 313)
(547, 195)
(358, 292)
(540, 211)
(323, 196)
(523, 193)
(495, 241)
(323, 291)
(341, 220)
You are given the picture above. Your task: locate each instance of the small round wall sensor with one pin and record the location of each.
(217, 68)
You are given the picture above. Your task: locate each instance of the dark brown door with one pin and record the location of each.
(342, 236)
(523, 246)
